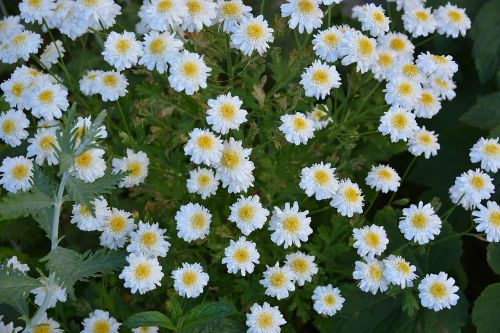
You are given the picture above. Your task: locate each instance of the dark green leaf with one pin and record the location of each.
(494, 257)
(204, 312)
(485, 114)
(485, 312)
(149, 318)
(23, 204)
(15, 286)
(217, 325)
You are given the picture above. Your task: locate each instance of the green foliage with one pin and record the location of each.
(15, 286)
(150, 318)
(209, 317)
(485, 312)
(23, 204)
(485, 114)
(493, 257)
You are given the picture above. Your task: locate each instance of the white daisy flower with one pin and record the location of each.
(319, 116)
(117, 226)
(241, 256)
(230, 13)
(438, 291)
(16, 174)
(319, 180)
(136, 164)
(348, 199)
(158, 50)
(445, 88)
(142, 274)
(423, 142)
(13, 124)
(487, 219)
(199, 13)
(225, 113)
(82, 217)
(83, 126)
(358, 49)
(298, 128)
(189, 280)
(264, 319)
(148, 240)
(383, 178)
(203, 147)
(471, 188)
(407, 69)
(89, 82)
(398, 122)
(290, 226)
(384, 64)
(235, 168)
(193, 222)
(89, 166)
(53, 51)
(48, 100)
(305, 14)
(15, 87)
(437, 65)
(452, 21)
(14, 263)
(427, 104)
(70, 19)
(407, 4)
(122, 50)
(100, 321)
(302, 265)
(58, 294)
(44, 325)
(252, 34)
(163, 15)
(420, 223)
(202, 181)
(248, 214)
(419, 21)
(188, 73)
(43, 146)
(21, 45)
(402, 92)
(373, 19)
(326, 44)
(399, 272)
(111, 85)
(370, 274)
(32, 11)
(8, 328)
(370, 241)
(319, 79)
(10, 26)
(278, 281)
(486, 151)
(327, 300)
(397, 43)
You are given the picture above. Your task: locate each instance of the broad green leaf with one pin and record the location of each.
(23, 204)
(485, 312)
(15, 286)
(204, 312)
(493, 257)
(485, 114)
(217, 325)
(149, 318)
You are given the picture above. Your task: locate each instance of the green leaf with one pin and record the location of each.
(484, 33)
(217, 325)
(149, 318)
(15, 286)
(485, 312)
(23, 204)
(202, 313)
(410, 303)
(493, 257)
(485, 114)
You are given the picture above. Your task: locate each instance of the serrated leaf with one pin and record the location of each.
(485, 312)
(493, 256)
(217, 325)
(15, 286)
(149, 318)
(204, 312)
(485, 114)
(23, 204)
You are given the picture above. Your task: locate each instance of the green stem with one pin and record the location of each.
(374, 198)
(320, 210)
(403, 178)
(124, 119)
(229, 63)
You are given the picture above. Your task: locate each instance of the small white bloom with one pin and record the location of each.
(303, 13)
(319, 115)
(383, 178)
(52, 53)
(188, 73)
(420, 223)
(10, 26)
(326, 44)
(438, 291)
(48, 100)
(148, 240)
(348, 199)
(199, 13)
(487, 219)
(419, 21)
(117, 226)
(136, 164)
(13, 124)
(452, 21)
(14, 263)
(471, 188)
(34, 11)
(225, 113)
(163, 15)
(241, 256)
(82, 217)
(122, 50)
(248, 214)
(370, 274)
(111, 85)
(370, 241)
(398, 122)
(397, 43)
(142, 274)
(402, 92)
(437, 65)
(20, 46)
(278, 281)
(16, 174)
(302, 265)
(298, 128)
(358, 49)
(423, 141)
(290, 226)
(373, 19)
(399, 272)
(43, 146)
(100, 321)
(202, 181)
(203, 147)
(235, 168)
(58, 294)
(193, 222)
(443, 87)
(189, 280)
(231, 12)
(145, 329)
(486, 151)
(89, 165)
(8, 328)
(45, 324)
(319, 79)
(99, 12)
(319, 180)
(427, 104)
(327, 300)
(252, 34)
(264, 319)
(89, 82)
(158, 50)
(384, 64)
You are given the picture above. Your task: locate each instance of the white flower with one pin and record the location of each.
(202, 181)
(370, 274)
(111, 85)
(99, 12)
(203, 147)
(158, 50)
(383, 178)
(48, 100)
(397, 43)
(83, 125)
(189, 280)
(445, 88)
(304, 13)
(264, 319)
(231, 12)
(278, 281)
(420, 223)
(471, 188)
(225, 113)
(486, 151)
(45, 324)
(241, 256)
(319, 115)
(58, 294)
(100, 321)
(193, 222)
(348, 199)
(52, 53)
(248, 214)
(142, 274)
(20, 46)
(437, 65)
(438, 291)
(290, 226)
(89, 166)
(89, 82)
(402, 92)
(16, 174)
(319, 79)
(43, 146)
(82, 217)
(319, 180)
(251, 34)
(373, 19)
(419, 21)
(427, 104)
(302, 265)
(235, 168)
(32, 11)
(424, 142)
(407, 4)
(298, 128)
(398, 122)
(370, 241)
(399, 272)
(358, 49)
(13, 124)
(326, 43)
(122, 50)
(14, 88)
(145, 329)
(8, 328)
(199, 13)
(488, 220)
(136, 164)
(406, 69)
(10, 26)
(14, 263)
(452, 21)
(70, 19)
(384, 64)
(117, 226)
(164, 15)
(148, 240)
(188, 73)
(327, 300)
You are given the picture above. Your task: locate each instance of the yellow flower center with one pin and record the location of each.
(495, 218)
(372, 239)
(33, 72)
(117, 223)
(43, 328)
(365, 47)
(46, 142)
(490, 149)
(109, 80)
(477, 182)
(299, 124)
(230, 159)
(384, 174)
(142, 271)
(426, 98)
(291, 224)
(144, 329)
(384, 59)
(17, 89)
(20, 172)
(320, 76)
(375, 272)
(164, 6)
(441, 83)
(194, 7)
(403, 267)
(230, 9)
(189, 278)
(157, 46)
(399, 121)
(18, 39)
(203, 180)
(410, 70)
(46, 96)
(438, 290)
(84, 211)
(405, 88)
(378, 17)
(34, 3)
(84, 160)
(425, 139)
(149, 238)
(455, 16)
(198, 221)
(101, 326)
(351, 194)
(241, 255)
(419, 220)
(265, 320)
(227, 111)
(305, 6)
(397, 44)
(440, 59)
(330, 39)
(190, 69)
(205, 142)
(300, 265)
(421, 15)
(122, 45)
(329, 300)
(321, 177)
(8, 126)
(90, 3)
(135, 169)
(255, 31)
(277, 279)
(246, 213)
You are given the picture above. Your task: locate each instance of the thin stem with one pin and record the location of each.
(320, 210)
(375, 196)
(450, 211)
(3, 9)
(229, 62)
(123, 119)
(425, 41)
(403, 178)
